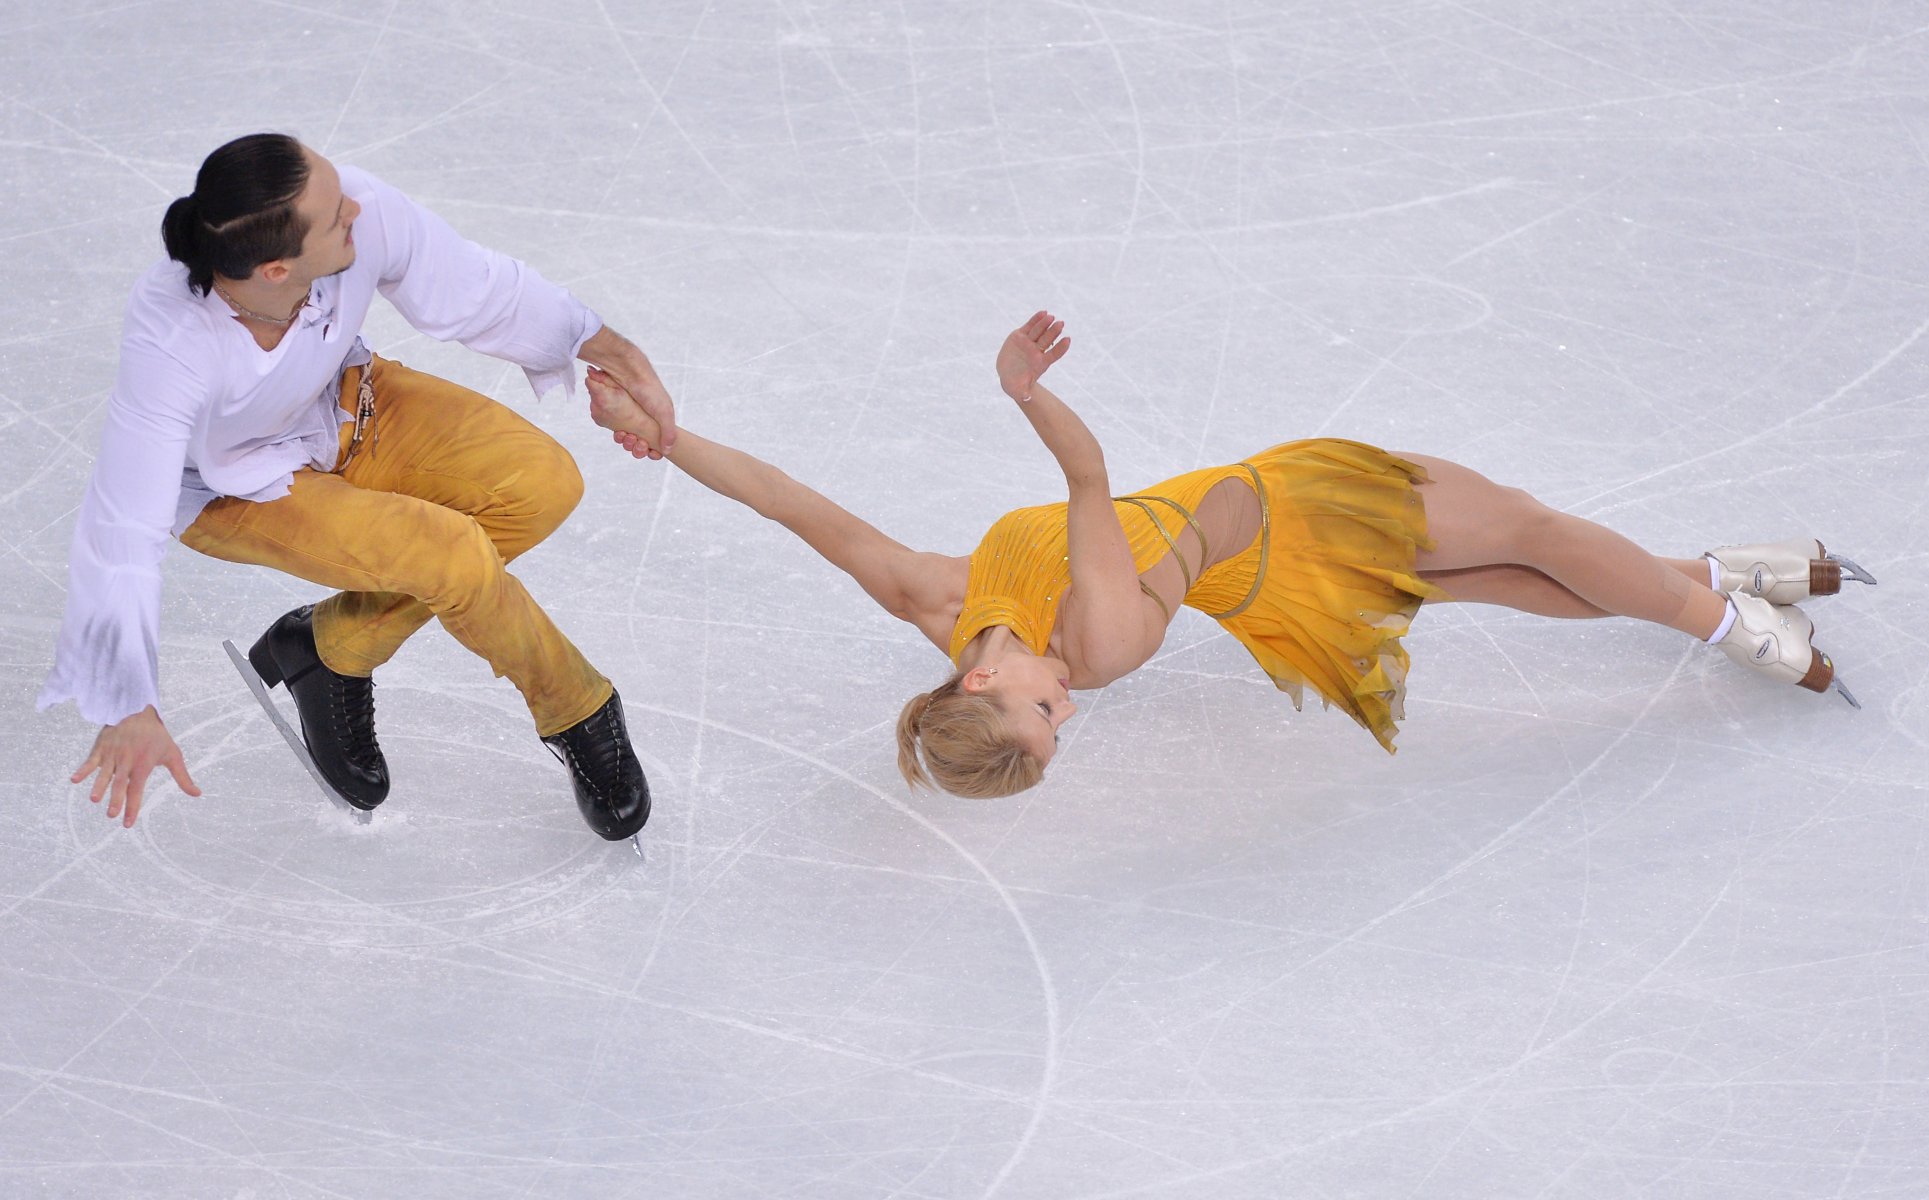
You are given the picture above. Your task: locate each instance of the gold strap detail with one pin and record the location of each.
(1198, 531)
(1171, 546)
(1156, 599)
(1205, 551)
(1265, 548)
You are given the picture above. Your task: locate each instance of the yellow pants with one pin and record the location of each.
(421, 521)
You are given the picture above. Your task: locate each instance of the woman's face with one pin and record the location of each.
(1034, 695)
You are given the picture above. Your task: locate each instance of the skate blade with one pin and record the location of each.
(1853, 571)
(636, 844)
(1847, 694)
(288, 732)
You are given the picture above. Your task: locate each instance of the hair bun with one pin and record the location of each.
(181, 229)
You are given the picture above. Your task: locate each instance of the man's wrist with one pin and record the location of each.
(606, 346)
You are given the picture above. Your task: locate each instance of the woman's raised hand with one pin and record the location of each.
(615, 410)
(1028, 352)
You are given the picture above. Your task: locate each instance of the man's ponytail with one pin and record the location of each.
(181, 234)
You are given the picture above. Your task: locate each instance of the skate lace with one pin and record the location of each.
(355, 701)
(596, 748)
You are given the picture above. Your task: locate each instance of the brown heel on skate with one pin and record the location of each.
(1820, 672)
(1824, 577)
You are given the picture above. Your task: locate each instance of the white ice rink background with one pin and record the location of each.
(1618, 920)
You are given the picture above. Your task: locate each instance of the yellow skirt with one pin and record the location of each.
(1324, 594)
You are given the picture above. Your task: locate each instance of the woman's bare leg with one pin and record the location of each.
(1511, 585)
(1476, 523)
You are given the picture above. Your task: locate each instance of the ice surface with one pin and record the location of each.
(1619, 920)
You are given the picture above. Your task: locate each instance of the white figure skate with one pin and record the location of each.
(1783, 572)
(1778, 641)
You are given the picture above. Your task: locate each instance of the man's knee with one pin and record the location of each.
(552, 484)
(457, 561)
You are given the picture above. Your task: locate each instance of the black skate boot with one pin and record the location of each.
(610, 788)
(337, 711)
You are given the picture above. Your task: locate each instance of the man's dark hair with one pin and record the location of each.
(241, 212)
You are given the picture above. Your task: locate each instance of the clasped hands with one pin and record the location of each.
(626, 397)
(634, 429)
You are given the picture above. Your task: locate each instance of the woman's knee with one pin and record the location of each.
(1475, 521)
(1532, 526)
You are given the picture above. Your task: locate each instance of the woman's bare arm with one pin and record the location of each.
(906, 583)
(1110, 630)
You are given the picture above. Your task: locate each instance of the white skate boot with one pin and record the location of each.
(1783, 572)
(1777, 640)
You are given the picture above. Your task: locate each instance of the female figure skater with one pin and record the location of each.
(1314, 554)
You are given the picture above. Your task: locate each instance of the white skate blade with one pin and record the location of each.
(1852, 571)
(636, 843)
(289, 733)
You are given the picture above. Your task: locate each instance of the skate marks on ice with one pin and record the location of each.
(1672, 957)
(289, 733)
(509, 864)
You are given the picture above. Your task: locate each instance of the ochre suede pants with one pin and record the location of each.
(421, 521)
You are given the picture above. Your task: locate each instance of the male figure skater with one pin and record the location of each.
(251, 421)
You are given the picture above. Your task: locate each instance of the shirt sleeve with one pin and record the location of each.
(454, 290)
(107, 659)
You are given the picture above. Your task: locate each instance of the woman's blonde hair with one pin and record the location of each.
(967, 747)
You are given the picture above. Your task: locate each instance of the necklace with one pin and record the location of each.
(253, 315)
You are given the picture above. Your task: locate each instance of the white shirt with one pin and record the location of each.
(199, 410)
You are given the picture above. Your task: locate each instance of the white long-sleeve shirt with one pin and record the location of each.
(199, 410)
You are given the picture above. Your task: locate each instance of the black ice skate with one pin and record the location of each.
(337, 712)
(610, 789)
(1784, 572)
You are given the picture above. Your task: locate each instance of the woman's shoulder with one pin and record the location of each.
(934, 596)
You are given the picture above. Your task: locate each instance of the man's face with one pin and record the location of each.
(329, 248)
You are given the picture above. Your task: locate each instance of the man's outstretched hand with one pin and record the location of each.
(124, 755)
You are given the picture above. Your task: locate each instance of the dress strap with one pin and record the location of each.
(1205, 553)
(1265, 547)
(1156, 599)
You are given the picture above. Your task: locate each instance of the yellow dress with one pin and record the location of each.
(1321, 597)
